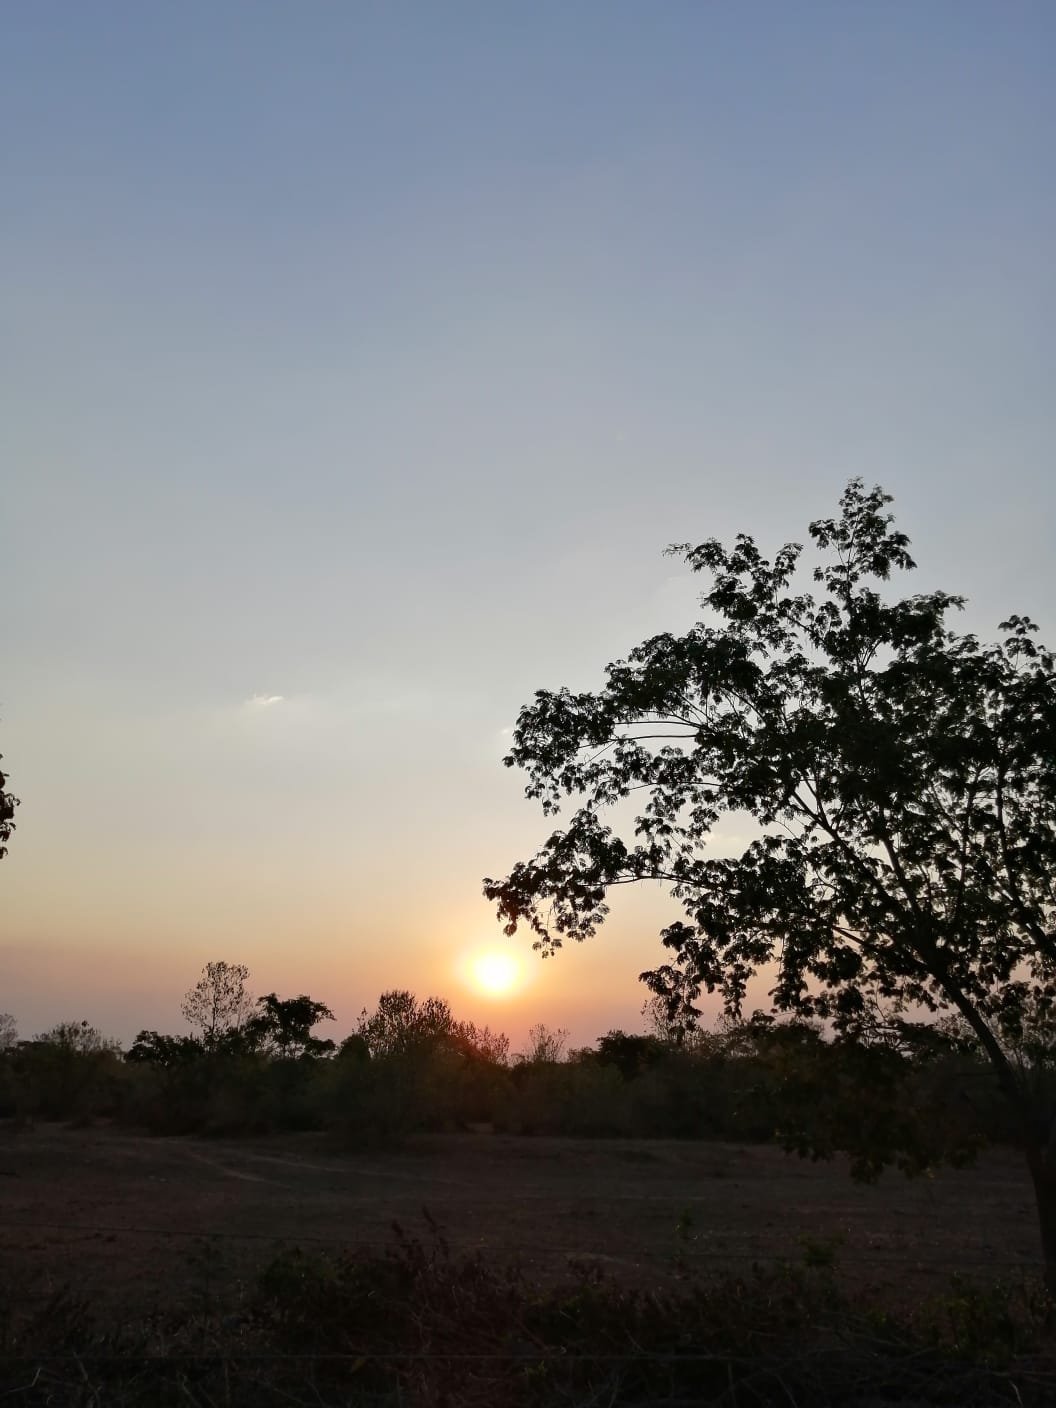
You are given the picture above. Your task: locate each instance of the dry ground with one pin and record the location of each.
(125, 1216)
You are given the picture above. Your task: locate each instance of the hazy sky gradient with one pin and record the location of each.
(363, 358)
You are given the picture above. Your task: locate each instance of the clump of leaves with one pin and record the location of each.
(8, 803)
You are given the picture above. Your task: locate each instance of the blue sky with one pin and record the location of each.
(364, 358)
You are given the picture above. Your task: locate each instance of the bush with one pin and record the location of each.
(421, 1325)
(55, 1078)
(429, 1089)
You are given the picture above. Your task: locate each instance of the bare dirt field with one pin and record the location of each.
(134, 1219)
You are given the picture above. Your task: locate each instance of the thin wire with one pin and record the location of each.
(1037, 1363)
(683, 1250)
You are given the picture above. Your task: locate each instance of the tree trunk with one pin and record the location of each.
(1040, 1161)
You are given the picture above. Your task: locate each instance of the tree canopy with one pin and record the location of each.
(901, 778)
(219, 1002)
(8, 803)
(283, 1026)
(403, 1025)
(77, 1037)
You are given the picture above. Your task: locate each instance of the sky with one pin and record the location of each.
(357, 363)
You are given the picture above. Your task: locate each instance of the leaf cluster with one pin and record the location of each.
(8, 803)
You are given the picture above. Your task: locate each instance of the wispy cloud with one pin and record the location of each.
(264, 701)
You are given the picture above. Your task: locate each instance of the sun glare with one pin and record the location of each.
(495, 973)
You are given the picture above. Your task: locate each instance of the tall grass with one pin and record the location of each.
(419, 1325)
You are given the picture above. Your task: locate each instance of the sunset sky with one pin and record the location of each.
(358, 363)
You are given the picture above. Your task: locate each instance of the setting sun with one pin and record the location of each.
(495, 973)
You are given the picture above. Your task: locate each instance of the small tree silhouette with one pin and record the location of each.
(77, 1038)
(8, 1032)
(219, 1003)
(546, 1045)
(283, 1026)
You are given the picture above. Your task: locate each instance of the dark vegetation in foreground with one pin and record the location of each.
(422, 1325)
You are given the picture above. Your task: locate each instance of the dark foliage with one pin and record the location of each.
(422, 1325)
(152, 1048)
(283, 1026)
(8, 803)
(902, 779)
(757, 1081)
(631, 1055)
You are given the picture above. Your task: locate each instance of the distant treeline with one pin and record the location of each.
(411, 1066)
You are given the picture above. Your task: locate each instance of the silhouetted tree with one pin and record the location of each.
(66, 1071)
(8, 1032)
(546, 1045)
(283, 1026)
(8, 803)
(676, 1028)
(219, 1004)
(79, 1038)
(480, 1043)
(401, 1025)
(153, 1048)
(354, 1048)
(863, 1095)
(902, 777)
